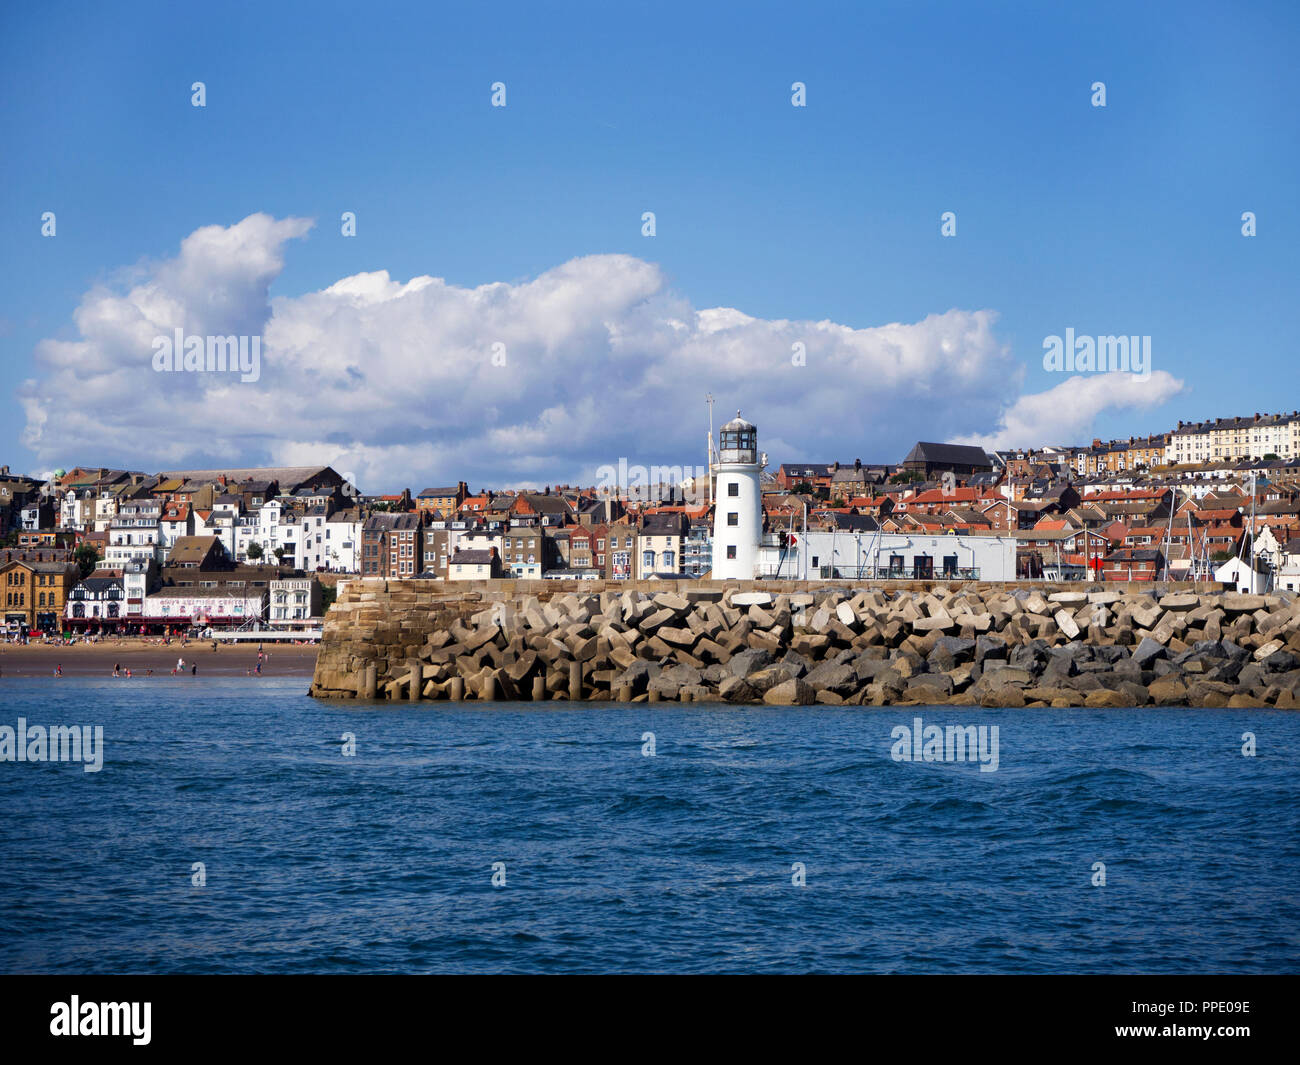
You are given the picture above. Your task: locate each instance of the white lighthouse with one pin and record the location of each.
(737, 502)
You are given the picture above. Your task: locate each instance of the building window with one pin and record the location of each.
(733, 488)
(733, 518)
(731, 550)
(648, 559)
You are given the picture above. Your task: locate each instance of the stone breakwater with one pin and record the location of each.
(959, 645)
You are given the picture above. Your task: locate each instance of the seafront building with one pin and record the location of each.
(890, 556)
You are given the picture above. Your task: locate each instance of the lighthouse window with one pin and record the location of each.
(733, 488)
(733, 517)
(731, 550)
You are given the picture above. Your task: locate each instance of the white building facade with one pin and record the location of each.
(135, 534)
(295, 599)
(891, 556)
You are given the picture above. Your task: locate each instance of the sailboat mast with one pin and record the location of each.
(708, 398)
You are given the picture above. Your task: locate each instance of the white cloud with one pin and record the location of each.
(1065, 413)
(396, 382)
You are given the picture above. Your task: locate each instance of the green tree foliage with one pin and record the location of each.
(86, 556)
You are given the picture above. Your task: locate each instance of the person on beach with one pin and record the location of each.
(180, 665)
(194, 670)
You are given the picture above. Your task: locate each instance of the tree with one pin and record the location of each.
(279, 554)
(328, 594)
(255, 551)
(86, 556)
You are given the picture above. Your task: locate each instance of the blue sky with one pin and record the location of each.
(1123, 220)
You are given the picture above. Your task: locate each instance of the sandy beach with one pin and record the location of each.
(140, 656)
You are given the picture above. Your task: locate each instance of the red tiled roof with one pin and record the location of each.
(947, 498)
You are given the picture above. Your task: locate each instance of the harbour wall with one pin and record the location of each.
(794, 642)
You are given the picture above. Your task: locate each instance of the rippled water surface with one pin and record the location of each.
(615, 861)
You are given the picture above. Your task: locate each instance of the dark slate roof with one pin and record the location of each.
(957, 454)
(288, 477)
(392, 521)
(665, 525)
(545, 504)
(805, 469)
(858, 475)
(471, 558)
(854, 522)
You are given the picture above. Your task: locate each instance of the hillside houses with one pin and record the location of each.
(1164, 505)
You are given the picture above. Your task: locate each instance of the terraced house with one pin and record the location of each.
(392, 545)
(1121, 456)
(522, 550)
(1236, 438)
(35, 585)
(661, 545)
(442, 502)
